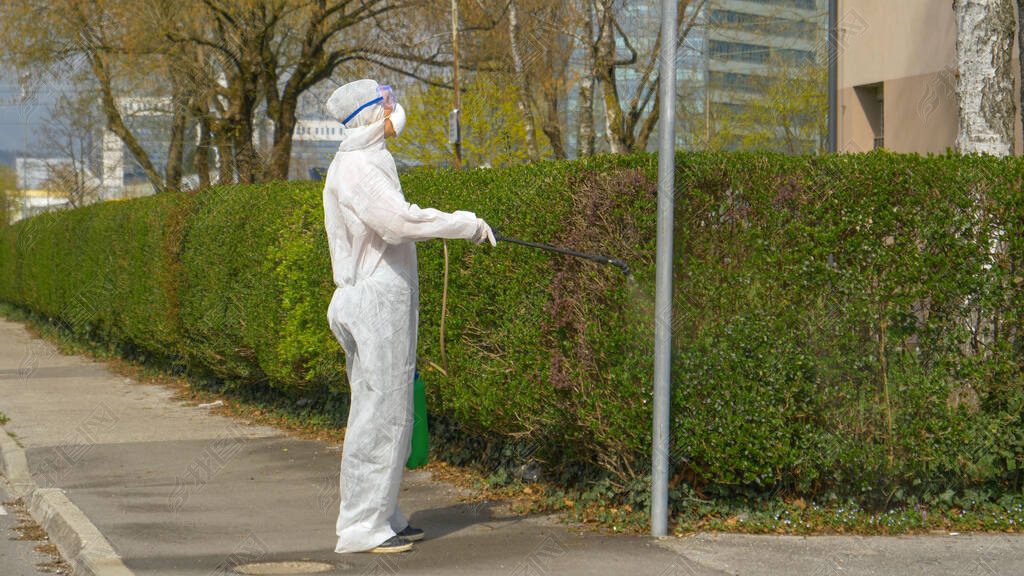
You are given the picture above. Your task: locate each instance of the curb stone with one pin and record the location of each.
(79, 541)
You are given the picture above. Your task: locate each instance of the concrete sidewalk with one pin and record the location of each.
(129, 481)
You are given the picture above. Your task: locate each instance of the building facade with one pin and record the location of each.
(897, 77)
(750, 44)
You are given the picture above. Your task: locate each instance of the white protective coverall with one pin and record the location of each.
(371, 233)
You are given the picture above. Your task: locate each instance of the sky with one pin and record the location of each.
(20, 120)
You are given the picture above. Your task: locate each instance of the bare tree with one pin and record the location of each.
(547, 41)
(984, 47)
(525, 45)
(586, 136)
(217, 62)
(525, 105)
(537, 55)
(105, 37)
(128, 60)
(72, 135)
(629, 118)
(274, 51)
(234, 36)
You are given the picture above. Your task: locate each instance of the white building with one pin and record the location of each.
(33, 178)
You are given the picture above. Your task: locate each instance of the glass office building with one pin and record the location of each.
(750, 44)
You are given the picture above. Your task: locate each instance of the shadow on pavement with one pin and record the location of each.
(440, 522)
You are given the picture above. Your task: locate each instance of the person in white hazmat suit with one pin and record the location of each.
(371, 232)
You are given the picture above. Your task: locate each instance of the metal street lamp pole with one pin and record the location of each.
(663, 273)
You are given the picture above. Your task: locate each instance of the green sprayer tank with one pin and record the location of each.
(418, 455)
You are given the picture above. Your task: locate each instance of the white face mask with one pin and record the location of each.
(398, 119)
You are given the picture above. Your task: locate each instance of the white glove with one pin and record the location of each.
(483, 232)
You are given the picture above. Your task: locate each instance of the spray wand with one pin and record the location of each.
(594, 257)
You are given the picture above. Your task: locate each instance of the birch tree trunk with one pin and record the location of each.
(225, 159)
(605, 73)
(525, 107)
(202, 160)
(585, 138)
(984, 51)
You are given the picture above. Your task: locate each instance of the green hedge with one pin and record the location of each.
(106, 271)
(844, 326)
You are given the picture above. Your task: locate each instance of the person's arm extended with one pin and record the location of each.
(383, 209)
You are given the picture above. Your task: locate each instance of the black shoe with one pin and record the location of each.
(392, 545)
(411, 534)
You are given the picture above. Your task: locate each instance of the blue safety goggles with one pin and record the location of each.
(385, 97)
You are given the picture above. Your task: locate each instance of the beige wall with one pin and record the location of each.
(887, 39)
(855, 131)
(921, 114)
(909, 46)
